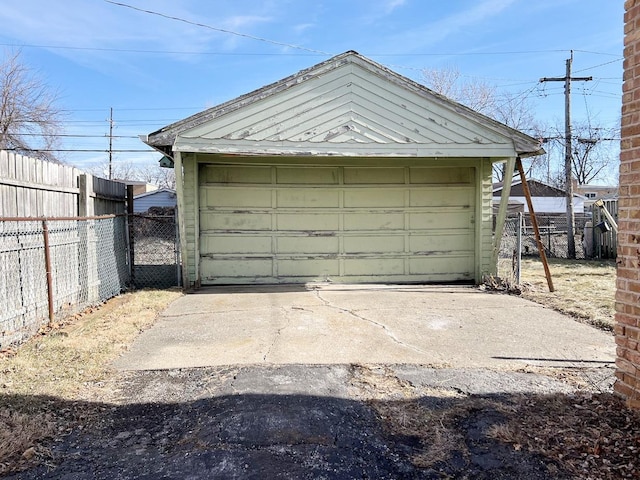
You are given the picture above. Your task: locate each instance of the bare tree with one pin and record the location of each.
(29, 118)
(160, 176)
(514, 110)
(479, 96)
(127, 170)
(591, 158)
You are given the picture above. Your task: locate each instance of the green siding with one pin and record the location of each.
(486, 195)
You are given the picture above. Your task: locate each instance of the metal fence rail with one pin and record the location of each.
(53, 267)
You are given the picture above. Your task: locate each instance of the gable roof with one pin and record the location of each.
(345, 106)
(535, 186)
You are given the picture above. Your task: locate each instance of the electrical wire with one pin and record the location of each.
(222, 30)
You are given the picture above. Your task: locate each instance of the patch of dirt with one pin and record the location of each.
(584, 290)
(67, 362)
(584, 435)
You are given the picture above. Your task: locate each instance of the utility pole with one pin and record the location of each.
(111, 143)
(568, 153)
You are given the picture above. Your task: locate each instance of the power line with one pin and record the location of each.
(70, 135)
(222, 30)
(600, 65)
(79, 150)
(297, 54)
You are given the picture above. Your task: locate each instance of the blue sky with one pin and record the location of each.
(153, 70)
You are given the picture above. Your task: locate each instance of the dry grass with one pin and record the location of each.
(69, 363)
(583, 289)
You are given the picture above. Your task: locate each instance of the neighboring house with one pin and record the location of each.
(546, 199)
(598, 192)
(343, 172)
(163, 197)
(139, 187)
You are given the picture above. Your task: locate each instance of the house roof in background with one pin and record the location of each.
(497, 187)
(155, 192)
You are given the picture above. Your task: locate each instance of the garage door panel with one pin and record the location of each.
(374, 197)
(440, 220)
(238, 243)
(277, 224)
(307, 198)
(369, 175)
(234, 197)
(373, 244)
(364, 266)
(420, 244)
(308, 221)
(235, 221)
(235, 174)
(440, 175)
(236, 268)
(441, 197)
(307, 175)
(373, 221)
(314, 268)
(457, 266)
(309, 245)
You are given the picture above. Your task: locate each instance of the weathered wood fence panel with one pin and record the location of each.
(34, 188)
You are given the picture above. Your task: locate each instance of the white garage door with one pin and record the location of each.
(291, 224)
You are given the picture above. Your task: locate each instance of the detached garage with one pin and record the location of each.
(345, 172)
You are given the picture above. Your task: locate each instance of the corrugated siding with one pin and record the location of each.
(159, 199)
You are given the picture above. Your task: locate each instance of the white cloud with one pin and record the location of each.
(302, 27)
(445, 27)
(393, 4)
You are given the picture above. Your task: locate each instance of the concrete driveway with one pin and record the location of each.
(453, 327)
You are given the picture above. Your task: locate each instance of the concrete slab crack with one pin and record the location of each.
(387, 331)
(277, 334)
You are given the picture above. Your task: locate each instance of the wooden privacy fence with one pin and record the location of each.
(34, 188)
(63, 243)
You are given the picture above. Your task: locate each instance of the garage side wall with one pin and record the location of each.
(485, 189)
(190, 217)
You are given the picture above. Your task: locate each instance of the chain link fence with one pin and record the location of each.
(553, 233)
(509, 255)
(54, 267)
(155, 252)
(518, 240)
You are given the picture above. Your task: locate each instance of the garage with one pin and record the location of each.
(344, 172)
(292, 224)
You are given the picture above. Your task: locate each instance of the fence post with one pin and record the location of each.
(47, 265)
(177, 247)
(518, 249)
(130, 236)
